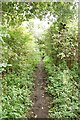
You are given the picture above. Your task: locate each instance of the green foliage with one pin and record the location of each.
(16, 12)
(20, 56)
(16, 95)
(63, 90)
(19, 48)
(4, 66)
(62, 44)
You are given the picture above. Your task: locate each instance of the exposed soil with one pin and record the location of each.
(39, 97)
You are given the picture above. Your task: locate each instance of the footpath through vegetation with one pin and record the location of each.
(28, 31)
(39, 98)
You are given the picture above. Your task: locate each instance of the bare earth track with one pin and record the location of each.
(39, 97)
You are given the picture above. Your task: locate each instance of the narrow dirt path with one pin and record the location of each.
(40, 98)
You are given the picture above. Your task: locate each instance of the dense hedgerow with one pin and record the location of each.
(20, 58)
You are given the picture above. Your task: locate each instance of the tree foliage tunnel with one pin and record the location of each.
(22, 47)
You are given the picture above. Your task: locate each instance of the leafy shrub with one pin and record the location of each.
(19, 53)
(63, 90)
(16, 95)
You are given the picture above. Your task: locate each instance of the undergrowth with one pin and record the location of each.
(16, 91)
(64, 90)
